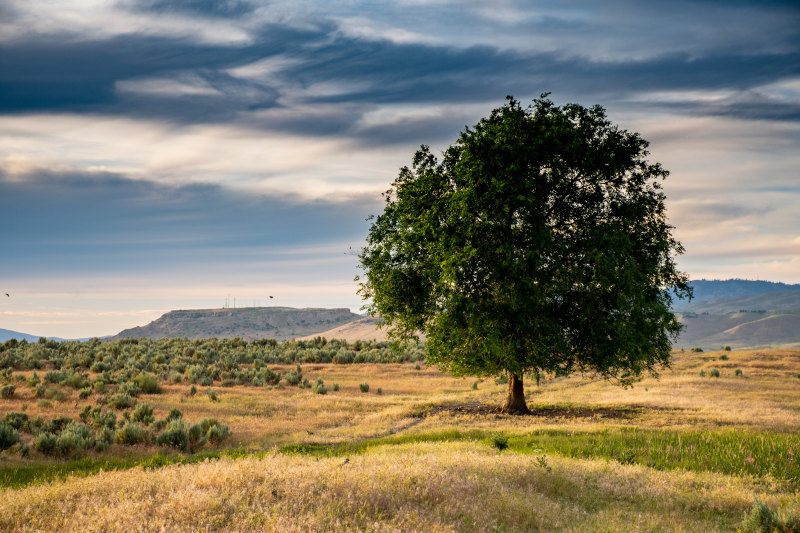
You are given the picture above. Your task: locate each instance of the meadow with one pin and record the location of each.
(711, 445)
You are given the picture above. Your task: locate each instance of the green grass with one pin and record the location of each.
(728, 452)
(23, 476)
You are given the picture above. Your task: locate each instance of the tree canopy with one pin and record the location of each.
(538, 245)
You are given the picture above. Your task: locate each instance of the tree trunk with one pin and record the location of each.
(515, 401)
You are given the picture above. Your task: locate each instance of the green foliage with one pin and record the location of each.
(192, 390)
(121, 400)
(174, 414)
(212, 395)
(738, 372)
(723, 357)
(379, 391)
(8, 435)
(147, 383)
(697, 349)
(335, 387)
(74, 438)
(500, 441)
(727, 348)
(215, 431)
(7, 391)
(363, 387)
(763, 520)
(713, 373)
(132, 433)
(85, 393)
(44, 443)
(319, 387)
(539, 243)
(474, 385)
(18, 421)
(174, 435)
(144, 414)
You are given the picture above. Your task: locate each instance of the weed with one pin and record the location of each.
(763, 520)
(541, 462)
(500, 441)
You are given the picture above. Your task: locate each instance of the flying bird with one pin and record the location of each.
(271, 297)
(10, 295)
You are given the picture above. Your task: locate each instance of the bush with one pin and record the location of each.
(319, 387)
(8, 435)
(215, 431)
(335, 386)
(121, 400)
(702, 373)
(379, 391)
(34, 381)
(501, 379)
(44, 443)
(738, 372)
(174, 414)
(132, 433)
(500, 441)
(55, 394)
(293, 378)
(723, 357)
(713, 373)
(474, 385)
(727, 348)
(192, 390)
(212, 395)
(76, 381)
(416, 367)
(363, 387)
(762, 520)
(197, 436)
(697, 349)
(174, 435)
(74, 438)
(18, 421)
(85, 393)
(144, 414)
(147, 383)
(7, 391)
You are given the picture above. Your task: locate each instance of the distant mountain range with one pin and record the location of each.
(735, 312)
(741, 314)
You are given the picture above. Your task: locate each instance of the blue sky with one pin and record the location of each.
(161, 154)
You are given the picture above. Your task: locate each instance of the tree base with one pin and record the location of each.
(515, 401)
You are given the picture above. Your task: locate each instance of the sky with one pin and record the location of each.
(174, 154)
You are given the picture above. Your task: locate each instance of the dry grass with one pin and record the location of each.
(452, 485)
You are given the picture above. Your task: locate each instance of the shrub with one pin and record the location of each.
(44, 443)
(85, 393)
(147, 383)
(74, 438)
(335, 386)
(192, 390)
(379, 391)
(713, 373)
(416, 367)
(212, 395)
(174, 414)
(132, 433)
(727, 348)
(762, 520)
(738, 372)
(363, 387)
(121, 400)
(501, 379)
(45, 404)
(7, 391)
(23, 450)
(215, 431)
(55, 394)
(8, 435)
(144, 414)
(292, 378)
(76, 381)
(500, 441)
(174, 435)
(319, 387)
(702, 373)
(723, 357)
(196, 436)
(697, 349)
(18, 421)
(34, 381)
(474, 385)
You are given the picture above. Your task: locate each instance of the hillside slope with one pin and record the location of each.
(280, 323)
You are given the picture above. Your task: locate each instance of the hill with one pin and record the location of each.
(361, 329)
(741, 314)
(6, 334)
(280, 323)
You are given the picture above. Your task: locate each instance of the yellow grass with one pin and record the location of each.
(445, 486)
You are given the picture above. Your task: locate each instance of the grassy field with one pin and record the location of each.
(686, 452)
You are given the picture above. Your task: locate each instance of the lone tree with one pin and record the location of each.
(538, 246)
